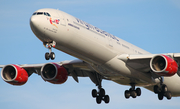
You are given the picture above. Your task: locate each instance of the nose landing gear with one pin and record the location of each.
(50, 54)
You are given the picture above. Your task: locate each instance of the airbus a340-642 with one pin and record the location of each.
(100, 56)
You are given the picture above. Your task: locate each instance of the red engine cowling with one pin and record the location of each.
(14, 75)
(54, 73)
(163, 65)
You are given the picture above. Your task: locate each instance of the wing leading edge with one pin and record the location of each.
(75, 68)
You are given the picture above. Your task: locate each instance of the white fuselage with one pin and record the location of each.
(94, 46)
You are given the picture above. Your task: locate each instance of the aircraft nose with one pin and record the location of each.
(33, 22)
(38, 24)
(37, 27)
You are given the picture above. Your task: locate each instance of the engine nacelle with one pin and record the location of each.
(54, 73)
(14, 75)
(163, 65)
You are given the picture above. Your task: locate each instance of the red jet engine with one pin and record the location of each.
(54, 73)
(163, 65)
(14, 75)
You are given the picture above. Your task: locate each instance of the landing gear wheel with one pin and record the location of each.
(133, 94)
(168, 95)
(130, 89)
(100, 96)
(106, 99)
(94, 93)
(98, 99)
(138, 91)
(52, 55)
(47, 56)
(162, 92)
(160, 96)
(127, 94)
(164, 88)
(156, 89)
(102, 92)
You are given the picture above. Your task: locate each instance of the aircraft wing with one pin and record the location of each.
(75, 68)
(142, 62)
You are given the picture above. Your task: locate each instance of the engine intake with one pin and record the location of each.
(163, 65)
(54, 73)
(14, 75)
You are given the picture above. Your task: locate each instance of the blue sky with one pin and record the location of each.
(150, 24)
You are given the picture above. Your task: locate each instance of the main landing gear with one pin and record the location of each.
(162, 91)
(50, 54)
(100, 95)
(132, 92)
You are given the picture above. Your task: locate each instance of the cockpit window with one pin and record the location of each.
(42, 13)
(48, 14)
(39, 13)
(34, 13)
(45, 13)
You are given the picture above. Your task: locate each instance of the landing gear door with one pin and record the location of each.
(62, 19)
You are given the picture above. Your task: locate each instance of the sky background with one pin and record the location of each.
(153, 25)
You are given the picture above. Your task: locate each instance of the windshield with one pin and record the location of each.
(42, 13)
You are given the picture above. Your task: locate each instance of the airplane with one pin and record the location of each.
(101, 56)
